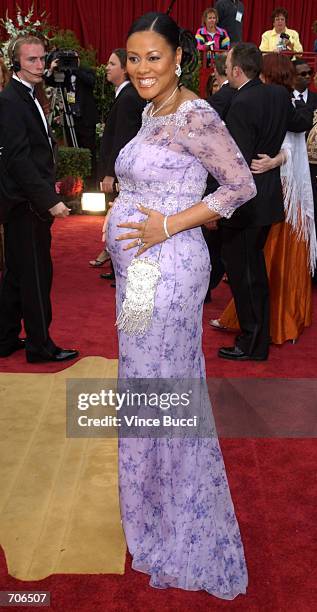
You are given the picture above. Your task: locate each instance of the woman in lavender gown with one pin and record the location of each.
(176, 507)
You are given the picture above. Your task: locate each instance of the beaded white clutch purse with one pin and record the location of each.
(137, 309)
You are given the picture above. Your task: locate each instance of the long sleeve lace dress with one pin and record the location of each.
(177, 511)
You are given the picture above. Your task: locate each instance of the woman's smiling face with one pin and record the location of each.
(151, 65)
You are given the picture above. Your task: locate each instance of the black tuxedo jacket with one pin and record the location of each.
(84, 91)
(258, 119)
(312, 100)
(27, 173)
(227, 12)
(123, 123)
(84, 94)
(221, 100)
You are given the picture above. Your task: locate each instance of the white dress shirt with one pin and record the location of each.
(297, 94)
(29, 86)
(120, 88)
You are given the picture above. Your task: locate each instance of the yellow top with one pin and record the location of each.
(270, 40)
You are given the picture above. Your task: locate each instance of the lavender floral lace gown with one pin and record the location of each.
(176, 507)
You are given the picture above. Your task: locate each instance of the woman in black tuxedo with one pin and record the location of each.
(123, 123)
(124, 120)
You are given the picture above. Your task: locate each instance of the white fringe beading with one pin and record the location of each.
(137, 309)
(298, 193)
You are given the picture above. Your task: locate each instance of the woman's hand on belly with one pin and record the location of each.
(146, 233)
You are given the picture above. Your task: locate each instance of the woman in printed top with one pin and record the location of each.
(209, 36)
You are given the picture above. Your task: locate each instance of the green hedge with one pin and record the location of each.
(67, 39)
(104, 93)
(73, 162)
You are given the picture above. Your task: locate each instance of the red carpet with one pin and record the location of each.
(273, 482)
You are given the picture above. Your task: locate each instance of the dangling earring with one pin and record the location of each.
(178, 70)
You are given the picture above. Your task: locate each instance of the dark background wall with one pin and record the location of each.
(104, 23)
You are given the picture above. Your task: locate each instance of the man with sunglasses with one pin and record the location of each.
(303, 79)
(303, 96)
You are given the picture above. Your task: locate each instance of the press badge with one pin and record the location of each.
(239, 16)
(71, 97)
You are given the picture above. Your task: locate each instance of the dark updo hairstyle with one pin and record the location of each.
(163, 24)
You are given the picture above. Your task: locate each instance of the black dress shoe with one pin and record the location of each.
(236, 354)
(108, 276)
(17, 346)
(60, 355)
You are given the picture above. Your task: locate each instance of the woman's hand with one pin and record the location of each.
(107, 184)
(264, 164)
(147, 233)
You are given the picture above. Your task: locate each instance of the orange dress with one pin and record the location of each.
(290, 285)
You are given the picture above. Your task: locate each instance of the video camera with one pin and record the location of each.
(68, 59)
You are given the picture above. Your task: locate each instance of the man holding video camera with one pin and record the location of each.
(77, 85)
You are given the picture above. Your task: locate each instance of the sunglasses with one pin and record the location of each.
(305, 74)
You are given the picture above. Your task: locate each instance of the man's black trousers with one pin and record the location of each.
(26, 283)
(243, 257)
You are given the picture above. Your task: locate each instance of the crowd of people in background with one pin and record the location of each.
(220, 30)
(291, 244)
